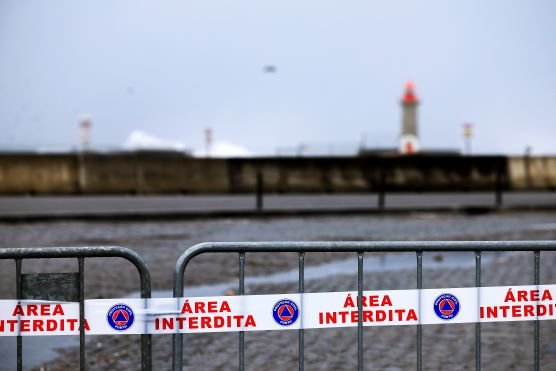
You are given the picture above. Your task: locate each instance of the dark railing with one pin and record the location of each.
(360, 248)
(381, 188)
(54, 290)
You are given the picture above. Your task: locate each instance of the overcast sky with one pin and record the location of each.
(173, 68)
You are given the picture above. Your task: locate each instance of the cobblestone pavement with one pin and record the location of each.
(445, 347)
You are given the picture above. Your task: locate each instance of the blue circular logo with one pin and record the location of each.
(446, 306)
(285, 312)
(120, 317)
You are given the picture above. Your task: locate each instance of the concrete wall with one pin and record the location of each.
(146, 174)
(364, 174)
(532, 173)
(32, 174)
(156, 173)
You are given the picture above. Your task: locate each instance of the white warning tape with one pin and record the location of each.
(279, 312)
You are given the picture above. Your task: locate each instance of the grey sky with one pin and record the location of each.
(172, 68)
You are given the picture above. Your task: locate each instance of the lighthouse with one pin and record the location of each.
(409, 143)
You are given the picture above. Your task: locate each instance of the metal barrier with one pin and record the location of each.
(359, 248)
(70, 286)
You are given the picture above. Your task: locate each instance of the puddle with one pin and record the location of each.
(543, 227)
(36, 350)
(342, 267)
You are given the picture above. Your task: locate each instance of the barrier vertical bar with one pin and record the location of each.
(536, 366)
(260, 190)
(382, 190)
(419, 326)
(241, 292)
(301, 291)
(360, 311)
(146, 339)
(18, 294)
(498, 186)
(81, 263)
(177, 338)
(478, 323)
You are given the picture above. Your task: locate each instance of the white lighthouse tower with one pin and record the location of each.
(409, 142)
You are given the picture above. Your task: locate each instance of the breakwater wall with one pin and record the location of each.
(170, 173)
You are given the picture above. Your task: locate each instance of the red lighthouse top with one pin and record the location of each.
(409, 95)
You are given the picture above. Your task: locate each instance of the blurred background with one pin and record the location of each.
(266, 78)
(159, 125)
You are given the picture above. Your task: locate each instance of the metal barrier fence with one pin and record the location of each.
(70, 286)
(359, 248)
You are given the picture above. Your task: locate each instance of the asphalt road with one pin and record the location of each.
(27, 207)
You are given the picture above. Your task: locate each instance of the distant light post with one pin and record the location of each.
(208, 141)
(85, 128)
(527, 164)
(363, 142)
(467, 137)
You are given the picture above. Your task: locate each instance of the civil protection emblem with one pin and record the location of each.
(120, 317)
(285, 312)
(446, 306)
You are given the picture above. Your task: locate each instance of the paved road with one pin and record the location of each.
(151, 206)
